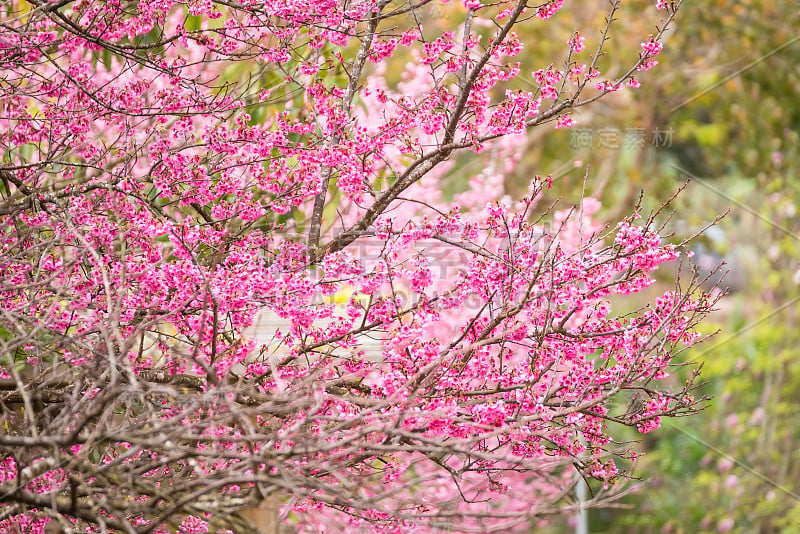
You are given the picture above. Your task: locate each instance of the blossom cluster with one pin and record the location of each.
(179, 170)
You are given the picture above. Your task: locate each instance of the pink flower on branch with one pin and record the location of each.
(232, 282)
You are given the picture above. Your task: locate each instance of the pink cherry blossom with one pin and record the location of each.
(231, 281)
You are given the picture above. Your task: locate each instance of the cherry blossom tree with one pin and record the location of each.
(174, 171)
